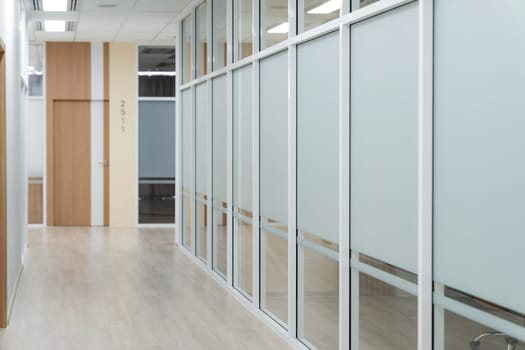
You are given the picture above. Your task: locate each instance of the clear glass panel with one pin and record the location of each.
(479, 128)
(187, 49)
(242, 138)
(187, 141)
(202, 40)
(156, 162)
(220, 255)
(35, 70)
(243, 257)
(384, 131)
(35, 160)
(461, 333)
(274, 22)
(317, 12)
(318, 299)
(220, 44)
(274, 275)
(387, 316)
(274, 137)
(219, 139)
(201, 138)
(318, 137)
(156, 71)
(357, 4)
(187, 223)
(202, 230)
(242, 29)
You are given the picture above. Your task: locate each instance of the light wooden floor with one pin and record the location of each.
(125, 289)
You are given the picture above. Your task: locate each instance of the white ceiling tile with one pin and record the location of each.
(95, 36)
(161, 5)
(135, 36)
(122, 6)
(44, 36)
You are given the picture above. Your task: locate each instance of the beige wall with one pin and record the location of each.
(122, 135)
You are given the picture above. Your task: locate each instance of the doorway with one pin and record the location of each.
(72, 163)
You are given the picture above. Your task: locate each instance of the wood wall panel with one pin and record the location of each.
(35, 201)
(3, 191)
(68, 70)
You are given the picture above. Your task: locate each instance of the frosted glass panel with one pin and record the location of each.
(274, 137)
(156, 139)
(383, 139)
(242, 138)
(479, 149)
(318, 137)
(201, 132)
(219, 139)
(187, 140)
(35, 138)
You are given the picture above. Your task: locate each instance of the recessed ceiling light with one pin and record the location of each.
(107, 6)
(55, 5)
(326, 8)
(280, 29)
(55, 26)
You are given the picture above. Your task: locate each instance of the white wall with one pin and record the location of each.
(13, 37)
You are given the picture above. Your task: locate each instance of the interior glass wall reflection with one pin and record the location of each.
(187, 49)
(242, 29)
(243, 257)
(387, 316)
(274, 22)
(202, 40)
(274, 273)
(220, 44)
(201, 165)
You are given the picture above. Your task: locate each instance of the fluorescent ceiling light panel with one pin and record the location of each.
(326, 8)
(280, 29)
(55, 5)
(55, 26)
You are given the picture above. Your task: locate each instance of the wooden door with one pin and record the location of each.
(72, 163)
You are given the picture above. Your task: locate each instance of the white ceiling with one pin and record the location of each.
(141, 21)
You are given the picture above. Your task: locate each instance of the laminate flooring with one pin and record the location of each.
(125, 289)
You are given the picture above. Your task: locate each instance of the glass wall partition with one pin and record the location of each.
(383, 172)
(35, 135)
(219, 176)
(318, 192)
(479, 175)
(201, 48)
(187, 168)
(219, 33)
(242, 29)
(273, 170)
(201, 171)
(187, 49)
(156, 140)
(242, 180)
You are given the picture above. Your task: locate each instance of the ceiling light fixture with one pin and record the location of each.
(55, 5)
(282, 28)
(326, 8)
(55, 26)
